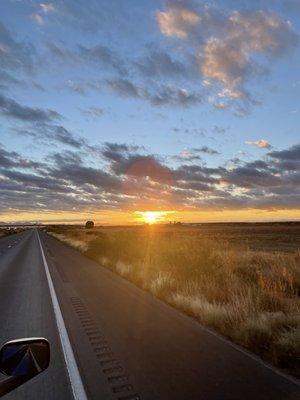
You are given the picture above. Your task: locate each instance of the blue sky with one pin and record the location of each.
(161, 105)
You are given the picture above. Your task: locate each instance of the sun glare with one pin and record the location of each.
(152, 217)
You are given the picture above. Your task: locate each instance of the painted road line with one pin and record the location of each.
(74, 375)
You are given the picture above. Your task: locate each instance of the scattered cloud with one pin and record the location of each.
(125, 88)
(176, 96)
(222, 52)
(207, 150)
(7, 80)
(39, 19)
(102, 55)
(187, 155)
(47, 8)
(44, 10)
(193, 154)
(220, 129)
(291, 154)
(15, 54)
(161, 95)
(52, 134)
(262, 143)
(82, 87)
(160, 63)
(60, 51)
(94, 112)
(226, 44)
(12, 159)
(12, 109)
(177, 21)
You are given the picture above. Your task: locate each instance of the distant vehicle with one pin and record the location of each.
(22, 360)
(89, 224)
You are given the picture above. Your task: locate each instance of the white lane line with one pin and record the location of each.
(74, 375)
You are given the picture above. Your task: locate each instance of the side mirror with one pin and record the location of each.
(23, 359)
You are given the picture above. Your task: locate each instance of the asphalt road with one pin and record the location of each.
(26, 310)
(127, 344)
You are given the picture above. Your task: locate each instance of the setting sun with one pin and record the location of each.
(152, 217)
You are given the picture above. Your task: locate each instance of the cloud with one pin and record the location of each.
(60, 51)
(50, 133)
(47, 7)
(176, 96)
(121, 147)
(187, 155)
(39, 19)
(124, 161)
(94, 112)
(14, 54)
(228, 60)
(207, 150)
(226, 44)
(177, 21)
(262, 143)
(7, 80)
(62, 135)
(98, 55)
(250, 177)
(197, 173)
(134, 78)
(115, 152)
(190, 155)
(161, 95)
(291, 154)
(160, 63)
(80, 175)
(83, 87)
(66, 185)
(125, 88)
(12, 159)
(89, 17)
(101, 54)
(7, 159)
(129, 179)
(220, 129)
(10, 108)
(143, 167)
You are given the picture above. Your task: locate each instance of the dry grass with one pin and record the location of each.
(251, 297)
(78, 244)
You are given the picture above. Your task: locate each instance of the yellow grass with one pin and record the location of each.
(250, 296)
(76, 243)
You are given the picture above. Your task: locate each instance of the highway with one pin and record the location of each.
(126, 344)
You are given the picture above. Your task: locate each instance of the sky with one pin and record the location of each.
(112, 108)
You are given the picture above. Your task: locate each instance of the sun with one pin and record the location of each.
(152, 217)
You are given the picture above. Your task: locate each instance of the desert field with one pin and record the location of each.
(241, 280)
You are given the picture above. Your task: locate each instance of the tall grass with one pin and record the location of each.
(251, 297)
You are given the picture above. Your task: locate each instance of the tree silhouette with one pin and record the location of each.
(89, 224)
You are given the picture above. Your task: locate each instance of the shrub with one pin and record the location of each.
(89, 224)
